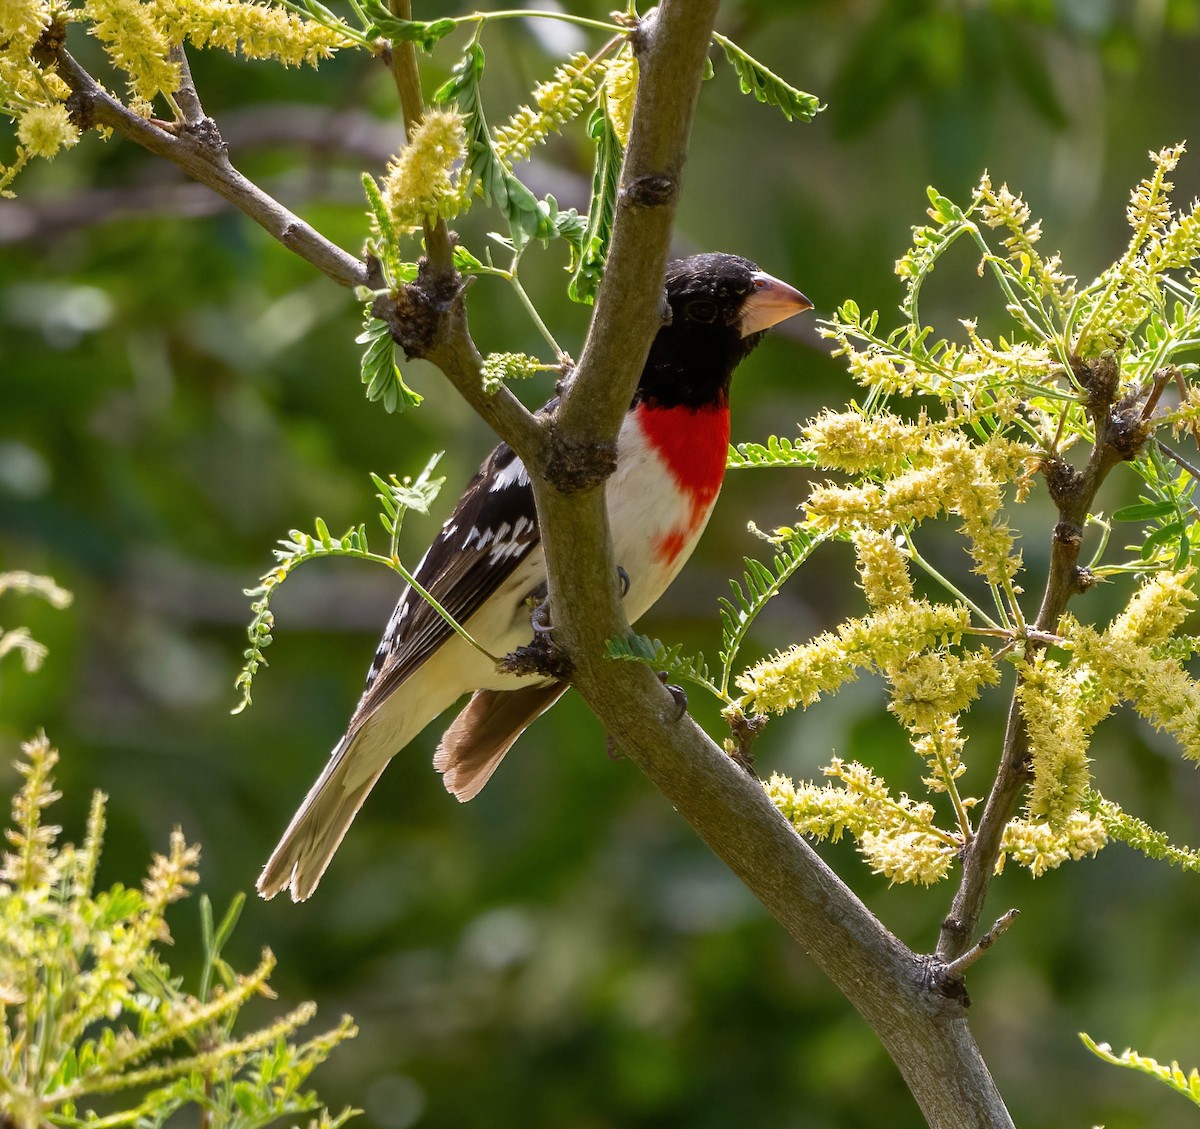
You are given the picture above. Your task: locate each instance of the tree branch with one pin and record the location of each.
(918, 1015)
(1120, 433)
(915, 1009)
(670, 48)
(198, 150)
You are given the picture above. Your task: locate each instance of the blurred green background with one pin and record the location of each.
(176, 392)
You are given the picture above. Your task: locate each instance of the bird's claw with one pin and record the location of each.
(539, 619)
(623, 577)
(676, 692)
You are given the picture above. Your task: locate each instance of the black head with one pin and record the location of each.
(720, 306)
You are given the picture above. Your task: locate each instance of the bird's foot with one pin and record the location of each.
(676, 692)
(541, 655)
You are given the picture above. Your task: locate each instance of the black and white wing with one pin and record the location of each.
(492, 530)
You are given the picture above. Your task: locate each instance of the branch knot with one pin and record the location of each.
(416, 314)
(574, 466)
(654, 190)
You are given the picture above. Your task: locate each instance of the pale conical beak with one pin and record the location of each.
(772, 302)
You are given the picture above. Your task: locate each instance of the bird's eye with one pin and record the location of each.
(702, 310)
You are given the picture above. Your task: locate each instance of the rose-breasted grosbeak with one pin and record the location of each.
(487, 562)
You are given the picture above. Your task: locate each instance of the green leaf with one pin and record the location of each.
(943, 209)
(662, 659)
(1161, 536)
(1145, 511)
(1186, 1084)
(593, 242)
(768, 87)
(777, 453)
(528, 217)
(759, 585)
(379, 370)
(464, 261)
(387, 26)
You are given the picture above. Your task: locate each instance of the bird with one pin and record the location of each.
(486, 565)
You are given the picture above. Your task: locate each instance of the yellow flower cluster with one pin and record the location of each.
(1001, 208)
(419, 184)
(44, 130)
(897, 836)
(257, 30)
(1040, 847)
(22, 21)
(931, 687)
(947, 473)
(136, 44)
(1149, 208)
(941, 749)
(138, 34)
(28, 93)
(1050, 698)
(884, 640)
(1062, 703)
(882, 568)
(558, 101)
(1161, 241)
(907, 856)
(620, 92)
(856, 442)
(1128, 663)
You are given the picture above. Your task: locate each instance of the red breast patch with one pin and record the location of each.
(692, 443)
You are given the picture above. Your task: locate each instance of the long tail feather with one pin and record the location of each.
(321, 822)
(486, 729)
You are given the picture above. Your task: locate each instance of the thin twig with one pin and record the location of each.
(958, 966)
(200, 152)
(440, 289)
(1179, 460)
(407, 77)
(186, 97)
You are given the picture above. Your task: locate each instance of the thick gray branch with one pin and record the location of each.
(671, 48)
(917, 1012)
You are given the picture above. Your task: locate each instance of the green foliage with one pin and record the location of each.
(397, 496)
(766, 86)
(528, 217)
(606, 182)
(385, 244)
(1173, 1076)
(380, 373)
(669, 661)
(760, 584)
(387, 26)
(1122, 827)
(17, 639)
(776, 452)
(96, 1029)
